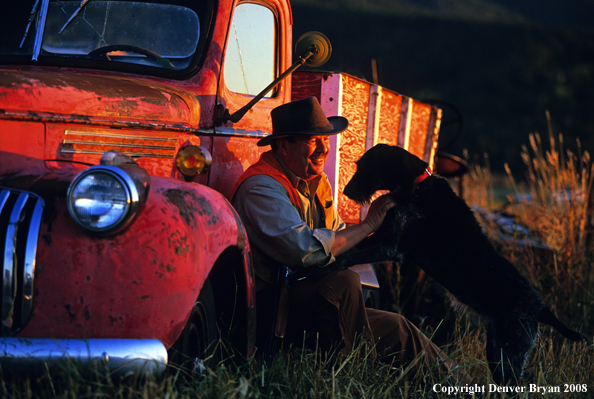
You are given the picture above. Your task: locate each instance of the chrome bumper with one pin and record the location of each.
(121, 357)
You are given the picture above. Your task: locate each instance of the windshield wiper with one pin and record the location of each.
(80, 6)
(31, 18)
(40, 29)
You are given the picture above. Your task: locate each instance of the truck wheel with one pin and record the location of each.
(197, 346)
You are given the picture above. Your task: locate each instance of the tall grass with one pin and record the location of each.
(559, 184)
(553, 203)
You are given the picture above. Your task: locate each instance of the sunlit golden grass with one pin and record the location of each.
(556, 201)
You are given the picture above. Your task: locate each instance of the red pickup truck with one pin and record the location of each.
(119, 146)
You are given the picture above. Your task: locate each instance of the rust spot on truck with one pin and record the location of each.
(47, 238)
(189, 204)
(179, 243)
(70, 313)
(164, 269)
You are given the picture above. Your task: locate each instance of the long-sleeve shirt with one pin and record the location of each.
(275, 228)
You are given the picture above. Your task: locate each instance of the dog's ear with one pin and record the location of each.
(405, 167)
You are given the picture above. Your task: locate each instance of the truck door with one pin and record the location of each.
(257, 50)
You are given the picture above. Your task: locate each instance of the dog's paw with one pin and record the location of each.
(394, 255)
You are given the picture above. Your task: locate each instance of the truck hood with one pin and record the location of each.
(95, 98)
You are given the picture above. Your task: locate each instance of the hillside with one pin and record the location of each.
(558, 13)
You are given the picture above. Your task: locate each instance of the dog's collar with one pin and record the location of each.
(423, 176)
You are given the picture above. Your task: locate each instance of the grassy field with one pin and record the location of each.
(552, 204)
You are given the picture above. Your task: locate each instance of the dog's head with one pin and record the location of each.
(384, 167)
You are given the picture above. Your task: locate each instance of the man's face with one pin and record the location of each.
(306, 156)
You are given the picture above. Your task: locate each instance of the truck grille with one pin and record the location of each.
(134, 145)
(20, 219)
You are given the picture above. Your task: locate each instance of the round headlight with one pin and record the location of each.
(101, 199)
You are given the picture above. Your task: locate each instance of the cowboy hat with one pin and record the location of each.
(302, 117)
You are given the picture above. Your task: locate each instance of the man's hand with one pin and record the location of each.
(377, 211)
(347, 238)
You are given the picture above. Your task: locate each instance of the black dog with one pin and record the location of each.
(433, 228)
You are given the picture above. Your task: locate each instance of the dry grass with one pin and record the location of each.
(557, 199)
(554, 204)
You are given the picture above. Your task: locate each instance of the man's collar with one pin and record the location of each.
(293, 178)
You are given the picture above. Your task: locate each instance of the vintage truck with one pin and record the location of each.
(120, 142)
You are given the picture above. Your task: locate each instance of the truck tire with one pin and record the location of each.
(198, 345)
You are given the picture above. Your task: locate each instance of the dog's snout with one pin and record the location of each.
(359, 189)
(349, 190)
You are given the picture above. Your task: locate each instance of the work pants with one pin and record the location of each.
(331, 310)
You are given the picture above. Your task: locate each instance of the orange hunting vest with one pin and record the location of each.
(268, 165)
(265, 267)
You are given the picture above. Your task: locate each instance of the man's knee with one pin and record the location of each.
(345, 278)
(343, 283)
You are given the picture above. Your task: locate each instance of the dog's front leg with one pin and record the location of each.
(372, 254)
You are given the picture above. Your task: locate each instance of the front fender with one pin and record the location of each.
(141, 283)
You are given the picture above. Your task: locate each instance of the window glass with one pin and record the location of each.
(250, 57)
(155, 33)
(171, 31)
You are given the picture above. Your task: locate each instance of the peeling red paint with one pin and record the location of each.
(188, 204)
(87, 96)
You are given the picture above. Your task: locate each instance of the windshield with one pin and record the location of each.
(107, 34)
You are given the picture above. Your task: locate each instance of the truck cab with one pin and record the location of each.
(117, 159)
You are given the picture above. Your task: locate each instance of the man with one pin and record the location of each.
(285, 202)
